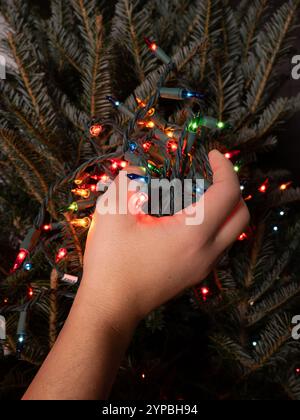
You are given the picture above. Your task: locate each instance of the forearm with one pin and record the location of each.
(86, 356)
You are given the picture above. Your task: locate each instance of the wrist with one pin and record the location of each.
(105, 304)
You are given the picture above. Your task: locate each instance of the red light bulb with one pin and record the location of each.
(123, 164)
(114, 165)
(146, 146)
(204, 291)
(173, 146)
(20, 258)
(264, 186)
(47, 227)
(96, 130)
(298, 371)
(62, 252)
(30, 292)
(93, 188)
(242, 237)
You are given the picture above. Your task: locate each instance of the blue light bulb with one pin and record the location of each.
(27, 266)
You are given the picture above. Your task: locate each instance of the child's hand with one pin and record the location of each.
(133, 264)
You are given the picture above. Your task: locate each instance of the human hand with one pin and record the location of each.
(135, 263)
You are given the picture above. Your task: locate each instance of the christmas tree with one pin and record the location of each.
(91, 87)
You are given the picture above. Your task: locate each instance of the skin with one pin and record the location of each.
(133, 264)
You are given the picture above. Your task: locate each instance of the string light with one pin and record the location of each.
(243, 236)
(232, 153)
(62, 253)
(172, 145)
(5, 300)
(133, 146)
(282, 213)
(275, 228)
(157, 51)
(96, 130)
(153, 168)
(47, 227)
(236, 168)
(84, 222)
(30, 292)
(146, 146)
(248, 198)
(82, 192)
(254, 343)
(22, 255)
(242, 187)
(80, 180)
(284, 187)
(263, 188)
(143, 376)
(297, 371)
(178, 93)
(123, 164)
(121, 107)
(169, 132)
(27, 266)
(73, 206)
(142, 104)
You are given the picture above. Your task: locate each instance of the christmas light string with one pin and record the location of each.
(144, 132)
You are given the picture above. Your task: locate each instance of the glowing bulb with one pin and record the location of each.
(151, 112)
(30, 292)
(275, 228)
(117, 103)
(132, 146)
(242, 187)
(143, 376)
(114, 165)
(5, 300)
(104, 178)
(173, 145)
(27, 266)
(21, 339)
(228, 155)
(84, 223)
(282, 213)
(284, 187)
(169, 133)
(298, 371)
(150, 124)
(62, 252)
(46, 228)
(146, 146)
(248, 198)
(153, 46)
(242, 237)
(93, 187)
(236, 168)
(123, 164)
(73, 206)
(204, 291)
(220, 124)
(82, 192)
(96, 130)
(254, 343)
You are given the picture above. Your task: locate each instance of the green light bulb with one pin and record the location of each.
(220, 124)
(73, 206)
(236, 168)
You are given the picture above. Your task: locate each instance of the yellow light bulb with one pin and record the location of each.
(84, 223)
